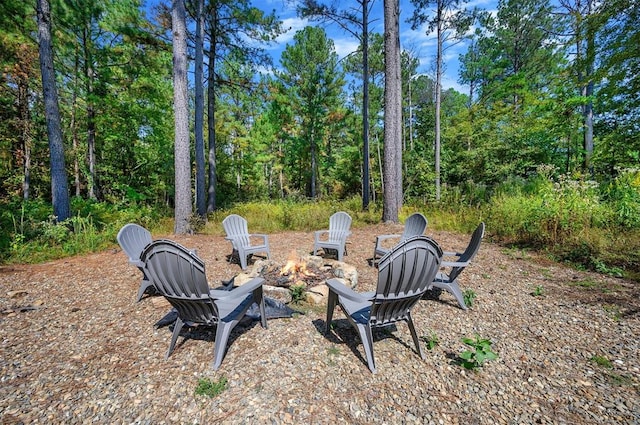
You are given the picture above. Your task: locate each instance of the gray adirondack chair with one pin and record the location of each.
(404, 274)
(449, 281)
(336, 237)
(179, 276)
(415, 225)
(132, 239)
(244, 243)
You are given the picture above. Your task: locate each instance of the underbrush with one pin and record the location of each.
(595, 227)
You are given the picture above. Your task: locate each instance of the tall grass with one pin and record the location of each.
(572, 219)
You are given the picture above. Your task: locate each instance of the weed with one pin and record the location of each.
(546, 273)
(516, 253)
(481, 352)
(211, 388)
(538, 291)
(620, 380)
(614, 311)
(587, 284)
(602, 267)
(431, 340)
(601, 361)
(469, 296)
(297, 293)
(333, 351)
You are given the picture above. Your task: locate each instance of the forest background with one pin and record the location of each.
(544, 147)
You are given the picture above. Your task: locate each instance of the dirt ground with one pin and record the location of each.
(77, 348)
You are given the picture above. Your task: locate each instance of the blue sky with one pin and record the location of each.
(419, 42)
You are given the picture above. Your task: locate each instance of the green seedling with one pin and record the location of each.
(469, 296)
(601, 361)
(431, 340)
(480, 352)
(538, 291)
(211, 388)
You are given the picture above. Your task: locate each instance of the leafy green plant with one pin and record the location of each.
(431, 340)
(602, 267)
(479, 353)
(601, 361)
(469, 296)
(297, 293)
(538, 291)
(211, 388)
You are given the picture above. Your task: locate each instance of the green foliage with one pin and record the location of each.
(538, 291)
(297, 293)
(431, 340)
(32, 235)
(211, 388)
(479, 353)
(469, 296)
(601, 361)
(305, 215)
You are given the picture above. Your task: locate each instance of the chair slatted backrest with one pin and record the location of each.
(339, 225)
(132, 239)
(179, 275)
(404, 274)
(236, 227)
(470, 252)
(415, 225)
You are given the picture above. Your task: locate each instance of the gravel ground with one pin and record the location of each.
(76, 348)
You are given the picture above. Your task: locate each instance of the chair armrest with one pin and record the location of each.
(451, 254)
(344, 291)
(259, 235)
(318, 233)
(454, 263)
(239, 292)
(137, 263)
(381, 238)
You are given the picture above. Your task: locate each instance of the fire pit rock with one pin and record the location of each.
(309, 270)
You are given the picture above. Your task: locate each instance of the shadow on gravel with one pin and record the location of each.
(341, 332)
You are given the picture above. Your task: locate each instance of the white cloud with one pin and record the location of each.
(345, 46)
(291, 25)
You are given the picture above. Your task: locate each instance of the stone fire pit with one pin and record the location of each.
(308, 270)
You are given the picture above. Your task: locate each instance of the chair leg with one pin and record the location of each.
(259, 299)
(454, 289)
(177, 327)
(144, 285)
(332, 299)
(243, 259)
(367, 342)
(414, 335)
(222, 336)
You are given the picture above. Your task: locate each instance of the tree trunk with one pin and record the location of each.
(25, 125)
(91, 115)
(201, 201)
(74, 129)
(59, 184)
(440, 42)
(183, 208)
(590, 54)
(392, 114)
(211, 109)
(365, 105)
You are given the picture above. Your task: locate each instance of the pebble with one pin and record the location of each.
(105, 363)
